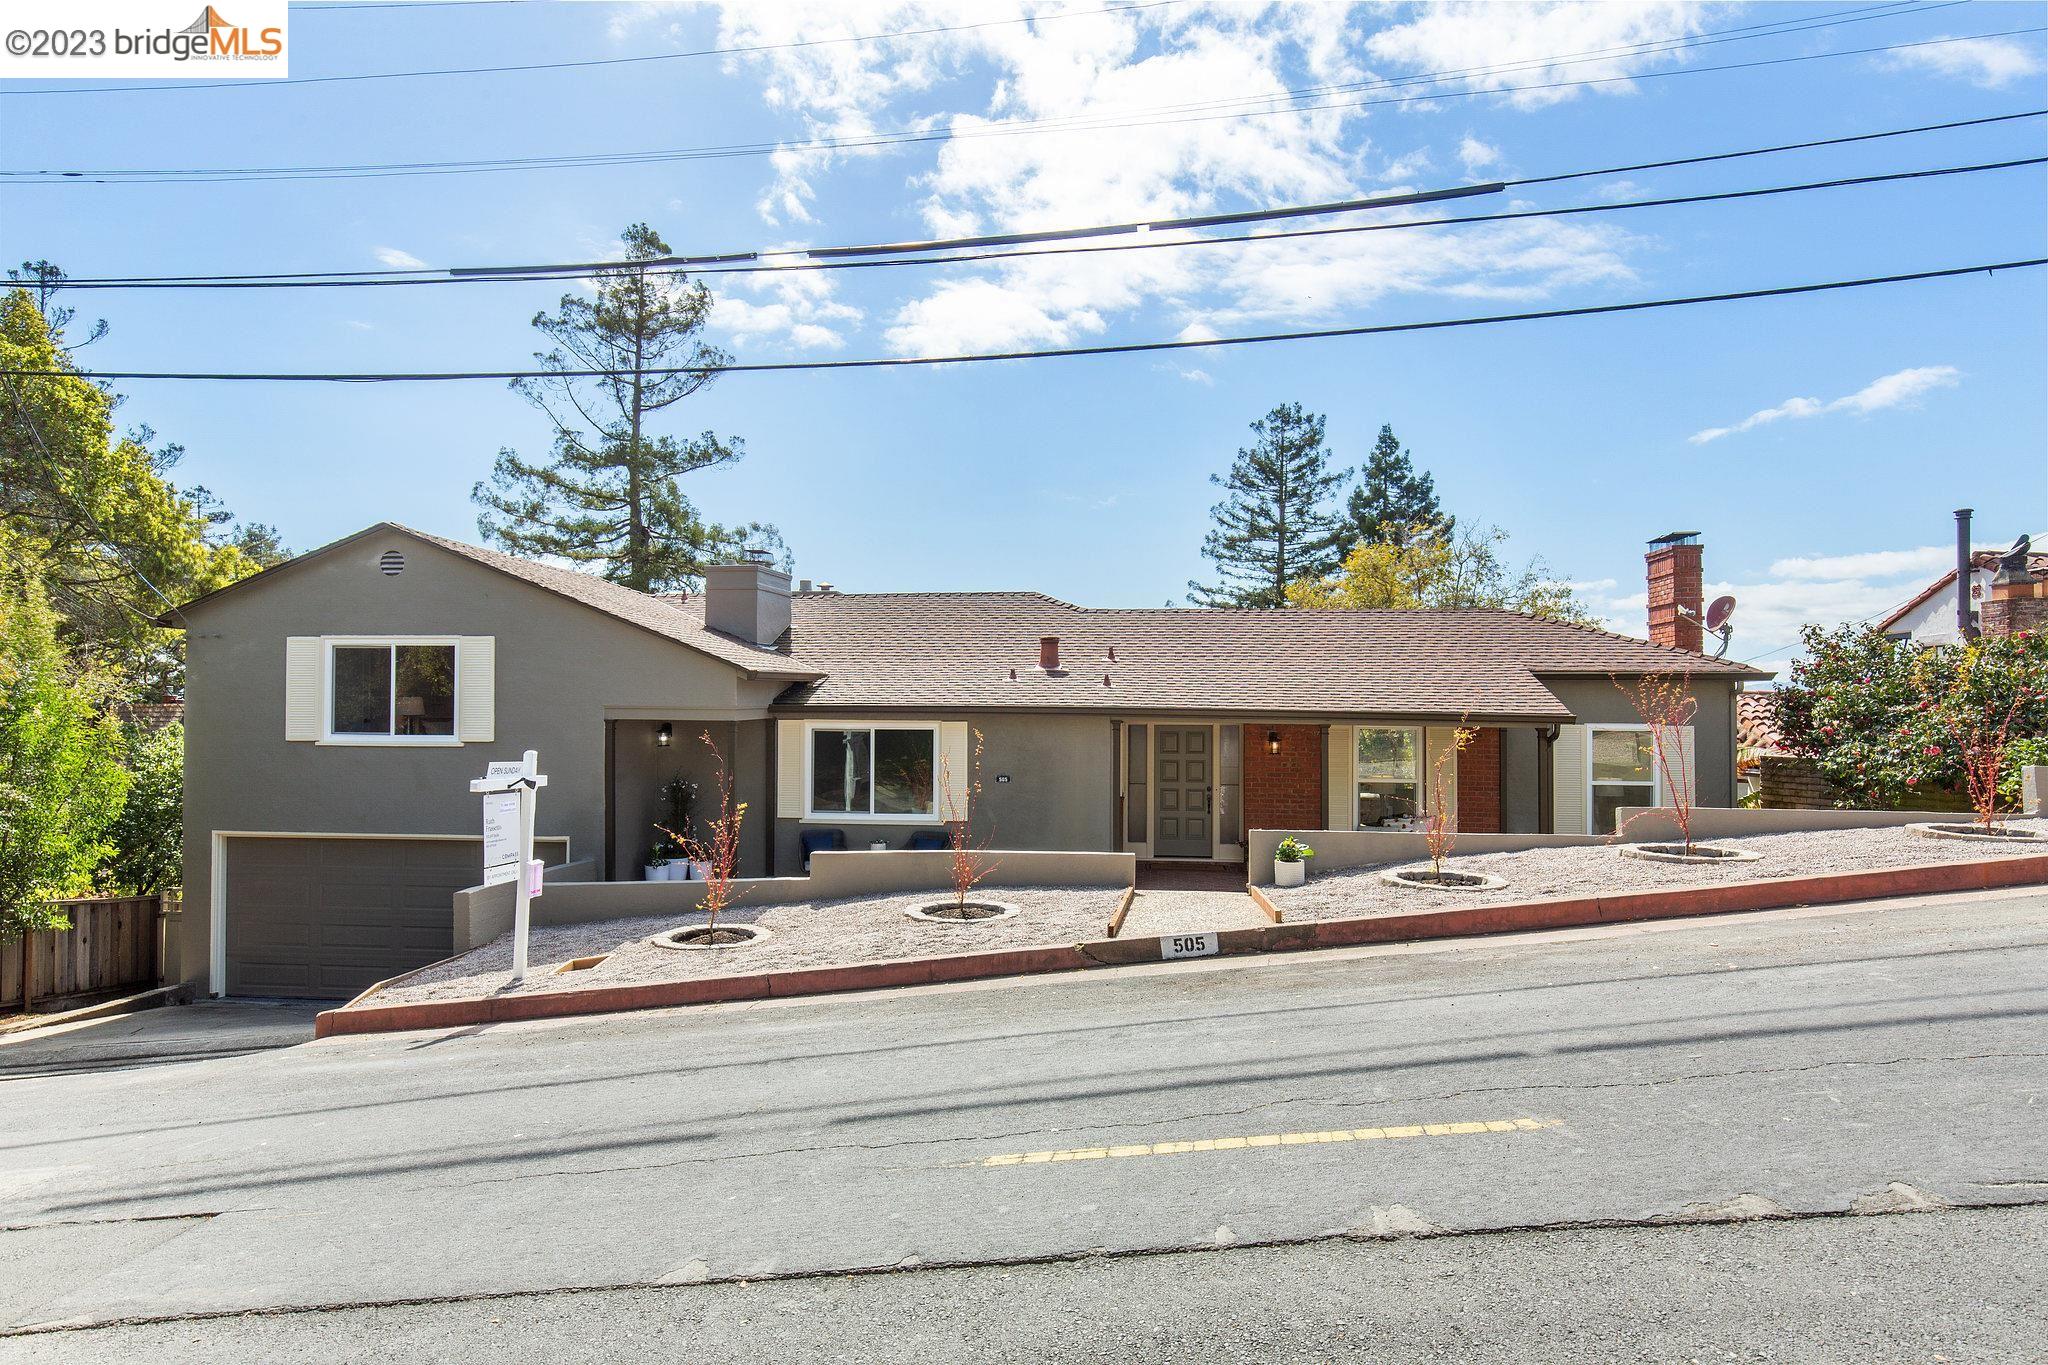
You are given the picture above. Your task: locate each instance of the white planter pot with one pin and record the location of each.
(655, 874)
(878, 846)
(697, 872)
(1289, 874)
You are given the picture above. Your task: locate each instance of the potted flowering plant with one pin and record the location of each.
(1290, 862)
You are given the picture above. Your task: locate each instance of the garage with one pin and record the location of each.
(325, 917)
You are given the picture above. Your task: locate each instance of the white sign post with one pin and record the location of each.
(510, 791)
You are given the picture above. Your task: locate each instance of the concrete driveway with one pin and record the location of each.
(174, 1033)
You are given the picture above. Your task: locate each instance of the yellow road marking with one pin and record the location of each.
(1228, 1144)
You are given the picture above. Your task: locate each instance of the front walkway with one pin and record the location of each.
(1187, 874)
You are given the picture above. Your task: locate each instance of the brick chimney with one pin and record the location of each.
(748, 600)
(1677, 595)
(2018, 599)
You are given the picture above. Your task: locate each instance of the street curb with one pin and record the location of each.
(1557, 913)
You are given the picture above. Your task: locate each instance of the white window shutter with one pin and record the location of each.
(1683, 771)
(1435, 740)
(789, 770)
(956, 766)
(1340, 767)
(1570, 804)
(302, 683)
(476, 673)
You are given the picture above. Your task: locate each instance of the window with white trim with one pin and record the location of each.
(1623, 772)
(1389, 773)
(397, 690)
(873, 771)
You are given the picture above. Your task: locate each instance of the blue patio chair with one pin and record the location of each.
(818, 840)
(929, 839)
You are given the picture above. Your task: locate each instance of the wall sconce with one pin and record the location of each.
(1272, 741)
(663, 733)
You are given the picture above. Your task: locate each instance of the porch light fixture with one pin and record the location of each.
(1272, 741)
(663, 734)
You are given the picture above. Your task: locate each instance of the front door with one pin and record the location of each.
(1184, 774)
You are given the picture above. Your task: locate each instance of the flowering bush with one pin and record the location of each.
(1888, 723)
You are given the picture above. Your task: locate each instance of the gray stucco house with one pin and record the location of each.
(338, 705)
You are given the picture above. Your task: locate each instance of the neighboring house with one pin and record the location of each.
(339, 704)
(1756, 737)
(1928, 618)
(150, 716)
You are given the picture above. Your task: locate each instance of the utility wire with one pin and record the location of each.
(1126, 348)
(659, 271)
(387, 170)
(587, 267)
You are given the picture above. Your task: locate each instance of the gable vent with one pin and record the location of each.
(391, 563)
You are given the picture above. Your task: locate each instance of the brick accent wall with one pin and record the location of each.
(1283, 790)
(1675, 581)
(1479, 784)
(2015, 607)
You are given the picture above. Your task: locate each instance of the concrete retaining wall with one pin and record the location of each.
(483, 913)
(1339, 849)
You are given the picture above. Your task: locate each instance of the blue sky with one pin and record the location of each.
(1849, 424)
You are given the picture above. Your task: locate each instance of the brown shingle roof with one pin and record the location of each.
(679, 620)
(936, 650)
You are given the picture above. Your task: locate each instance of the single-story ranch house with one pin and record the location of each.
(338, 706)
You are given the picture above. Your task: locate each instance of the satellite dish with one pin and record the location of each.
(1719, 611)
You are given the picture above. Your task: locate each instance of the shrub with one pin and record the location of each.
(1887, 723)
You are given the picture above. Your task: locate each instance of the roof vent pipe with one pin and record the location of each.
(1049, 653)
(1965, 627)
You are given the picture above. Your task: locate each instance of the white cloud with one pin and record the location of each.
(361, 326)
(1893, 390)
(1824, 590)
(1475, 156)
(1990, 63)
(798, 306)
(399, 260)
(1503, 46)
(1094, 66)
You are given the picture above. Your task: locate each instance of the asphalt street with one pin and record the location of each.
(1298, 1138)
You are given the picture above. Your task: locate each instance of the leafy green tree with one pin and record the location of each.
(1392, 499)
(1419, 566)
(608, 495)
(61, 781)
(147, 838)
(1276, 525)
(89, 514)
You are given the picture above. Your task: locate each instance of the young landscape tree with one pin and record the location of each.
(608, 495)
(1667, 705)
(970, 864)
(1276, 525)
(714, 843)
(1392, 501)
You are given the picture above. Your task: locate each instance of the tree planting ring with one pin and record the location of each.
(1425, 879)
(1997, 834)
(696, 936)
(1697, 854)
(952, 912)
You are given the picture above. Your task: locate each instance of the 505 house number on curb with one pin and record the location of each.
(1189, 945)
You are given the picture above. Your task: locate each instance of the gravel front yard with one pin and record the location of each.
(1540, 874)
(805, 934)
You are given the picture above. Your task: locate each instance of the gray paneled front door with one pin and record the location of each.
(1184, 768)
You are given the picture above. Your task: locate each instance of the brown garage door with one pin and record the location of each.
(326, 918)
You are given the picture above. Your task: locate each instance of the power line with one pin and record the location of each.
(560, 268)
(736, 51)
(1070, 124)
(1125, 348)
(656, 270)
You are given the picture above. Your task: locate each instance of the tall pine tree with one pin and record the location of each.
(1276, 525)
(1391, 498)
(608, 496)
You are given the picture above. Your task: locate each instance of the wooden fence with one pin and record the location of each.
(115, 943)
